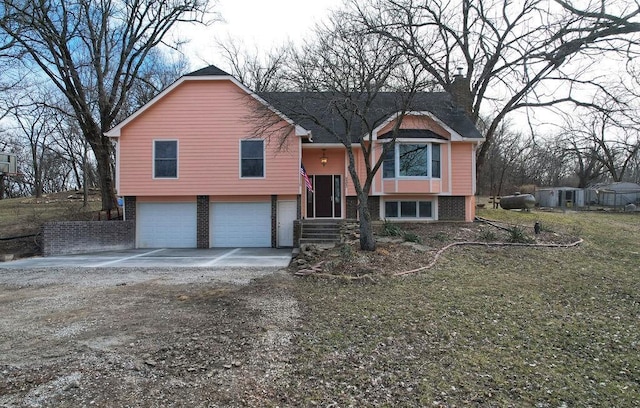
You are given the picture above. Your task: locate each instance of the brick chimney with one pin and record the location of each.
(460, 90)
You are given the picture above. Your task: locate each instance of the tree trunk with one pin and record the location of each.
(367, 241)
(85, 178)
(102, 151)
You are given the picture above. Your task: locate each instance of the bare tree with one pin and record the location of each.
(604, 143)
(587, 167)
(341, 77)
(506, 156)
(36, 124)
(513, 54)
(261, 72)
(32, 134)
(93, 52)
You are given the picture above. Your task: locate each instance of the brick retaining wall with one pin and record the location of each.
(74, 237)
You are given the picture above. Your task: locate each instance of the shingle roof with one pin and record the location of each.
(412, 134)
(211, 70)
(304, 107)
(316, 111)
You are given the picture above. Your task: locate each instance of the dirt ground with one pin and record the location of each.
(119, 338)
(184, 337)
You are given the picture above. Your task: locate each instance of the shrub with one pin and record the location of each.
(391, 230)
(411, 237)
(517, 234)
(439, 236)
(487, 235)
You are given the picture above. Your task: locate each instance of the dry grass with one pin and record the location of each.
(25, 216)
(485, 327)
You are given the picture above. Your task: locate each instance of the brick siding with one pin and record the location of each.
(75, 237)
(296, 224)
(373, 203)
(130, 208)
(274, 221)
(451, 208)
(202, 221)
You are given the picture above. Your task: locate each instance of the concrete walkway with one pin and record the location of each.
(164, 257)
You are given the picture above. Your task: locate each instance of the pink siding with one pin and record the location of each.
(208, 118)
(417, 122)
(166, 199)
(335, 160)
(462, 169)
(412, 186)
(244, 199)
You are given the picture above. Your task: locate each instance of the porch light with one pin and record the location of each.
(323, 159)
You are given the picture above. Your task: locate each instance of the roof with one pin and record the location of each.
(319, 111)
(412, 134)
(211, 70)
(619, 186)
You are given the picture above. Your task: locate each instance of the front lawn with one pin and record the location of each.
(487, 326)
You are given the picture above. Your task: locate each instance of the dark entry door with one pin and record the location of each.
(324, 196)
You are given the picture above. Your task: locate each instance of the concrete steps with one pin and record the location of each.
(320, 231)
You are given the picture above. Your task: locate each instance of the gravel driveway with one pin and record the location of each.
(133, 337)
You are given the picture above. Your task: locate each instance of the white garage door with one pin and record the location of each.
(166, 225)
(240, 224)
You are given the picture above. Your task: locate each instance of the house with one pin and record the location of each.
(194, 172)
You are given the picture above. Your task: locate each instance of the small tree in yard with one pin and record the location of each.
(348, 76)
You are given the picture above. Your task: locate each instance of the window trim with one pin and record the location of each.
(399, 210)
(396, 161)
(153, 160)
(264, 159)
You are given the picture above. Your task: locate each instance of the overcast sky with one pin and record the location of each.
(260, 23)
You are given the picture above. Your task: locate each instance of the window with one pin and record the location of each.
(435, 160)
(165, 159)
(389, 164)
(408, 209)
(252, 158)
(412, 160)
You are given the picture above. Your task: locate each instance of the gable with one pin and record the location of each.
(220, 77)
(415, 126)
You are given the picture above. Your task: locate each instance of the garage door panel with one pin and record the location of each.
(240, 224)
(166, 225)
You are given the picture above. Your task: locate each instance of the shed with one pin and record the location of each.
(563, 197)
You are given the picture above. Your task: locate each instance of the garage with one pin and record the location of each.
(240, 224)
(166, 225)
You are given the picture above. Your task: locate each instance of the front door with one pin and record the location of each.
(324, 196)
(326, 199)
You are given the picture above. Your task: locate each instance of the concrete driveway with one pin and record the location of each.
(164, 257)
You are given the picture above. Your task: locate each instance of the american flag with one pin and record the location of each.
(307, 182)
